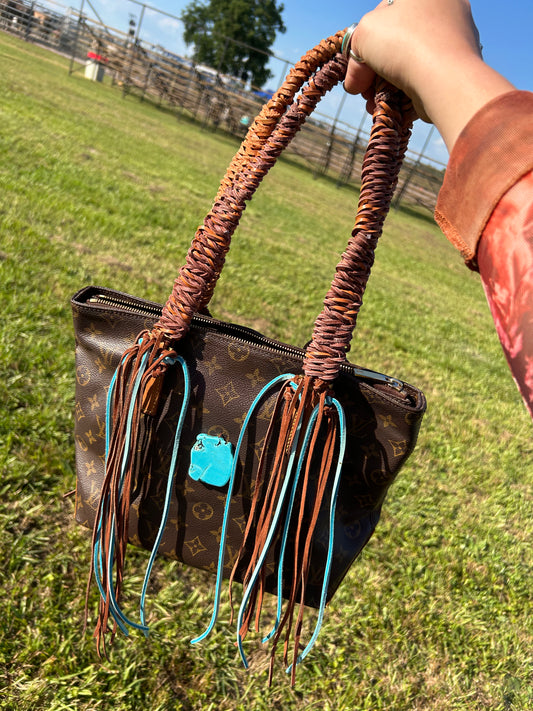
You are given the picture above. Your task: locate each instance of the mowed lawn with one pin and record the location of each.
(437, 613)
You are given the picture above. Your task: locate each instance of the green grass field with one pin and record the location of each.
(437, 613)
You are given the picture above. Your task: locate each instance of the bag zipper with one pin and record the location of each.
(239, 333)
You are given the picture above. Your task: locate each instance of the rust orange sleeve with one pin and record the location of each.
(492, 153)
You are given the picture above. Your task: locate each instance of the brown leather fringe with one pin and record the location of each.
(303, 565)
(116, 498)
(263, 502)
(293, 409)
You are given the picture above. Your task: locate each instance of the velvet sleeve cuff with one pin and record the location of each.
(494, 150)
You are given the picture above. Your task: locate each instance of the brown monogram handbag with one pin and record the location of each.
(210, 443)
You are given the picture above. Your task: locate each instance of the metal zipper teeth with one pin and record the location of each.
(227, 329)
(231, 330)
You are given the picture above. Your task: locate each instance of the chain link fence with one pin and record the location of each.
(326, 145)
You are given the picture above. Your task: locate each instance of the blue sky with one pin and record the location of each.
(505, 30)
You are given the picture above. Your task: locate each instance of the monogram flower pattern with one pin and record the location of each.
(226, 376)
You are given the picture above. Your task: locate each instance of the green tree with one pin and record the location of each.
(224, 32)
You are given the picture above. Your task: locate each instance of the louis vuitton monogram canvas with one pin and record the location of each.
(227, 373)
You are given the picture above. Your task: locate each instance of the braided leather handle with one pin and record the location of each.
(270, 133)
(333, 330)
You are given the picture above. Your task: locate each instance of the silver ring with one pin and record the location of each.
(345, 46)
(389, 2)
(357, 58)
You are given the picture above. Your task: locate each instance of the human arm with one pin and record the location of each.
(485, 206)
(430, 52)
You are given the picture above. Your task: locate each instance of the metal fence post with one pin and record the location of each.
(412, 170)
(29, 23)
(132, 48)
(75, 47)
(323, 169)
(346, 172)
